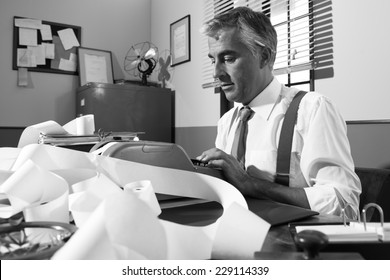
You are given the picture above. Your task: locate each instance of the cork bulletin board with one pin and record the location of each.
(45, 46)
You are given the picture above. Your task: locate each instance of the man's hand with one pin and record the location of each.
(233, 170)
(253, 182)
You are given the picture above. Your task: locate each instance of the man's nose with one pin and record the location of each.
(218, 70)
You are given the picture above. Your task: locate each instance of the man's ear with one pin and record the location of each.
(265, 57)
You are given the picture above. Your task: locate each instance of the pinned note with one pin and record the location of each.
(25, 58)
(68, 38)
(67, 65)
(46, 33)
(39, 52)
(22, 77)
(28, 23)
(28, 37)
(49, 50)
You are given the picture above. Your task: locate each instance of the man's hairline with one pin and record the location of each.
(216, 34)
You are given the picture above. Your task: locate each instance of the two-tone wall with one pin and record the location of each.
(113, 25)
(359, 88)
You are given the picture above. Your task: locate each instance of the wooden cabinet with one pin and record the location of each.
(131, 108)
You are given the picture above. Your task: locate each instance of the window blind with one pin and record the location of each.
(304, 29)
(211, 8)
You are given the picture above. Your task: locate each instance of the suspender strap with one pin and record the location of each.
(285, 141)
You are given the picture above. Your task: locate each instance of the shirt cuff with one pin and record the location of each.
(323, 199)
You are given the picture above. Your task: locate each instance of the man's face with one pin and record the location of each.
(235, 66)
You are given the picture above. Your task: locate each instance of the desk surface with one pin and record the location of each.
(279, 238)
(279, 243)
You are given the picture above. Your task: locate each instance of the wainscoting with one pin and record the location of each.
(369, 141)
(193, 139)
(9, 136)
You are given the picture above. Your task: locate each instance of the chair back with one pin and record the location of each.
(375, 188)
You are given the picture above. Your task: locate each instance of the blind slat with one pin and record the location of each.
(294, 68)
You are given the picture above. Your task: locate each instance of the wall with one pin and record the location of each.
(197, 110)
(360, 61)
(361, 58)
(113, 25)
(358, 88)
(195, 106)
(370, 143)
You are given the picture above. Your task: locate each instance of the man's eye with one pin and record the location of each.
(229, 59)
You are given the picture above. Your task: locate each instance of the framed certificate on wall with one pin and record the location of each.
(95, 66)
(180, 41)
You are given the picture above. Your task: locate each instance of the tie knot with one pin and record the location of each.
(245, 113)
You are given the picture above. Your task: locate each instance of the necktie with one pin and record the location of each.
(239, 142)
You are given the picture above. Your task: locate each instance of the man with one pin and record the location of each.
(242, 46)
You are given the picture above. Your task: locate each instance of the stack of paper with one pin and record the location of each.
(34, 134)
(383, 231)
(341, 233)
(76, 132)
(69, 139)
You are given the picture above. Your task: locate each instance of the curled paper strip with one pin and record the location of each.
(84, 203)
(30, 134)
(144, 191)
(122, 227)
(230, 234)
(8, 157)
(84, 125)
(118, 224)
(78, 179)
(41, 194)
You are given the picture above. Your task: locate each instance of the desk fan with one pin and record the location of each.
(140, 60)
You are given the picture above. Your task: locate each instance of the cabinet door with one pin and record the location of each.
(135, 109)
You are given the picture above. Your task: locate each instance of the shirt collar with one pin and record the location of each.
(264, 103)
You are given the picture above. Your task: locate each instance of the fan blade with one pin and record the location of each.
(168, 62)
(161, 61)
(137, 51)
(150, 53)
(135, 62)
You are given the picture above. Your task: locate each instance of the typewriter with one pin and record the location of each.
(157, 154)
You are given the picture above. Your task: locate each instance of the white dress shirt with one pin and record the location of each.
(321, 161)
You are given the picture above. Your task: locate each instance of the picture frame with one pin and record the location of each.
(180, 40)
(95, 66)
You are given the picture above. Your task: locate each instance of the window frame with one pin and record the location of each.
(310, 82)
